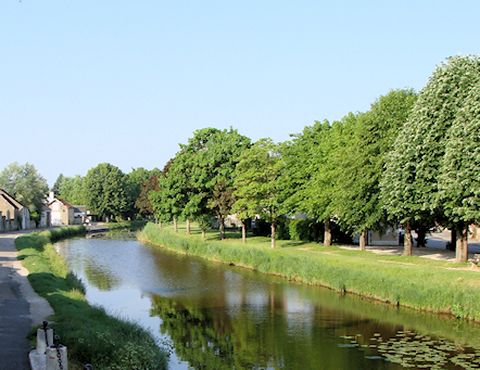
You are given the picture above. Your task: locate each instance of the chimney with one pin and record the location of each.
(51, 197)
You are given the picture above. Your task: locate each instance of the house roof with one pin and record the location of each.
(11, 200)
(64, 202)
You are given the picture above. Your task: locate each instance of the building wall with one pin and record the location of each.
(61, 215)
(389, 237)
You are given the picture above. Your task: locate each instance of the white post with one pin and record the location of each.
(52, 358)
(41, 345)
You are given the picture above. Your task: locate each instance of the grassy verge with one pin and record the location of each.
(419, 283)
(89, 333)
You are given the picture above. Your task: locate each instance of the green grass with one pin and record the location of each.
(90, 334)
(419, 283)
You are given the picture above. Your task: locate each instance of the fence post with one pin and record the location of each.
(57, 356)
(44, 338)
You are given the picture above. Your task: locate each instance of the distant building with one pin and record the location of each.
(61, 212)
(80, 215)
(45, 216)
(14, 215)
(389, 236)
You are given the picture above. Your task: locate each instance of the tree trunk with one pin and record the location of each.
(244, 232)
(203, 234)
(327, 236)
(461, 254)
(222, 228)
(188, 227)
(408, 243)
(363, 240)
(421, 237)
(175, 224)
(453, 239)
(273, 227)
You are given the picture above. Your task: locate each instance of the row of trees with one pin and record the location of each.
(105, 190)
(108, 192)
(411, 159)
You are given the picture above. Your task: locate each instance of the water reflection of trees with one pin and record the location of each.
(216, 338)
(101, 277)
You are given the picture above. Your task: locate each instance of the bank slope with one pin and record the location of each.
(435, 286)
(90, 334)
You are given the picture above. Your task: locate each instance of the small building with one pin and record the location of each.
(14, 215)
(80, 215)
(45, 216)
(61, 212)
(389, 236)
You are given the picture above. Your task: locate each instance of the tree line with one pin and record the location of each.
(108, 193)
(411, 159)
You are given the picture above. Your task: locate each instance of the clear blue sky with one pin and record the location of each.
(125, 81)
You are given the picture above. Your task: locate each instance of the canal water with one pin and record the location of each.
(213, 316)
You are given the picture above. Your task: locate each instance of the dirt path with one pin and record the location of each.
(20, 307)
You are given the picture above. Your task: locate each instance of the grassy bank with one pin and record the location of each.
(436, 286)
(90, 334)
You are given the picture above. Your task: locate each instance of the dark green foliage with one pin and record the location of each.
(71, 189)
(258, 183)
(135, 180)
(143, 203)
(307, 230)
(107, 191)
(363, 157)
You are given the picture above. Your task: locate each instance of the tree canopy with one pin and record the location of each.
(258, 182)
(25, 184)
(106, 191)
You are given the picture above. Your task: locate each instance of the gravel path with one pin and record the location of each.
(20, 307)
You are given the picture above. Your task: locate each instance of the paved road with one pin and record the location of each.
(20, 307)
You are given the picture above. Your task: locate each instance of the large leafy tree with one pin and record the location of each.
(169, 200)
(143, 203)
(319, 192)
(459, 182)
(410, 182)
(199, 180)
(213, 173)
(106, 191)
(371, 138)
(301, 163)
(136, 178)
(258, 183)
(72, 189)
(26, 184)
(58, 182)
